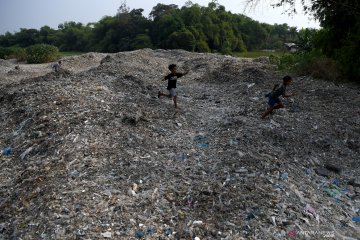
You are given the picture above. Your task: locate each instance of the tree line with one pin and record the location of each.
(338, 39)
(191, 27)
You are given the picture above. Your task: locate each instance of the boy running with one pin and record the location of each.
(274, 101)
(172, 79)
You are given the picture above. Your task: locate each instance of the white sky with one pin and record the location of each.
(16, 14)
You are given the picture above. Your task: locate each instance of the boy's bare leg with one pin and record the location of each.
(267, 112)
(163, 94)
(270, 109)
(175, 103)
(279, 105)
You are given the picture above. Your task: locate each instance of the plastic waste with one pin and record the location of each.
(309, 211)
(139, 234)
(284, 176)
(7, 151)
(336, 182)
(203, 145)
(356, 219)
(201, 141)
(168, 231)
(150, 230)
(332, 190)
(181, 157)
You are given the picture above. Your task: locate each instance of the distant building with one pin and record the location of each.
(291, 47)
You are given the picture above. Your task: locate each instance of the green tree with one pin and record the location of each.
(183, 39)
(141, 41)
(27, 37)
(339, 38)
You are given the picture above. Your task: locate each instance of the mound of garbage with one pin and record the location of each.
(91, 152)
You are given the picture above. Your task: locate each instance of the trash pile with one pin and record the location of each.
(91, 152)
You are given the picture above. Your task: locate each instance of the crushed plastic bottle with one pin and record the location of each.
(284, 176)
(7, 151)
(181, 157)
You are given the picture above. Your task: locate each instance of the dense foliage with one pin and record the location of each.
(339, 38)
(191, 27)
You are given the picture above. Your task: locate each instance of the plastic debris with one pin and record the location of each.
(356, 219)
(7, 151)
(106, 235)
(284, 176)
(150, 230)
(168, 231)
(139, 234)
(181, 157)
(309, 211)
(115, 161)
(201, 141)
(333, 190)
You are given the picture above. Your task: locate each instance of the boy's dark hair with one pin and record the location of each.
(172, 66)
(287, 78)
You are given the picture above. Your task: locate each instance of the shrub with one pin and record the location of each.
(13, 52)
(5, 53)
(319, 66)
(287, 61)
(41, 53)
(202, 46)
(273, 59)
(18, 53)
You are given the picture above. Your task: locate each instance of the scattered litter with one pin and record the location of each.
(96, 155)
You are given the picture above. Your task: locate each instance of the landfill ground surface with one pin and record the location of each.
(91, 152)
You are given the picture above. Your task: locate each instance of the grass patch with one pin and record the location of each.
(68, 54)
(256, 54)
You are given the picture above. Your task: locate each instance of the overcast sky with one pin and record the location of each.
(16, 14)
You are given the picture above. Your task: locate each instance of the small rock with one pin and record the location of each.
(332, 168)
(322, 172)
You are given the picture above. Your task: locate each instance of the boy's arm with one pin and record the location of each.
(185, 73)
(164, 78)
(288, 95)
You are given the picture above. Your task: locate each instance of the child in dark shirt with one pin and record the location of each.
(274, 101)
(172, 79)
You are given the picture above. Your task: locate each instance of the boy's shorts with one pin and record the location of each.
(273, 101)
(172, 92)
